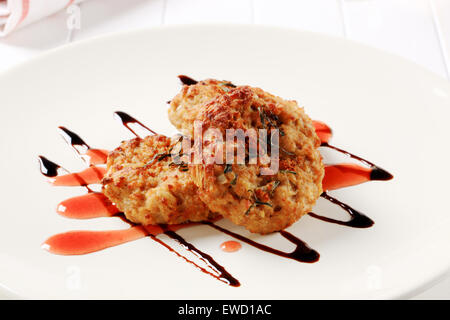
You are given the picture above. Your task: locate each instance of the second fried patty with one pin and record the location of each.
(239, 192)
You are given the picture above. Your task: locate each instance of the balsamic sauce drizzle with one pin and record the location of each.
(126, 119)
(302, 252)
(193, 263)
(223, 276)
(377, 172)
(73, 139)
(357, 219)
(50, 169)
(188, 81)
(78, 144)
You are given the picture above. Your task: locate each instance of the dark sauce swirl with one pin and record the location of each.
(302, 252)
(223, 276)
(72, 138)
(357, 219)
(188, 81)
(126, 119)
(47, 167)
(377, 173)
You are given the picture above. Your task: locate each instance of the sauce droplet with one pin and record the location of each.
(230, 246)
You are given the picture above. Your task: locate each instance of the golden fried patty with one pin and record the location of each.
(261, 203)
(186, 105)
(148, 187)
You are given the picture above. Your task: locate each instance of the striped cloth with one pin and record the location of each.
(18, 13)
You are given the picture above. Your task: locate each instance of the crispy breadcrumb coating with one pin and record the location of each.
(185, 106)
(261, 203)
(144, 183)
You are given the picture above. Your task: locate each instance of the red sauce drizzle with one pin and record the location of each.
(344, 175)
(97, 156)
(88, 206)
(323, 131)
(82, 242)
(377, 173)
(88, 176)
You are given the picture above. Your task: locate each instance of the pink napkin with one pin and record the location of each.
(18, 13)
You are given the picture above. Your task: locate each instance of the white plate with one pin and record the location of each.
(381, 107)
